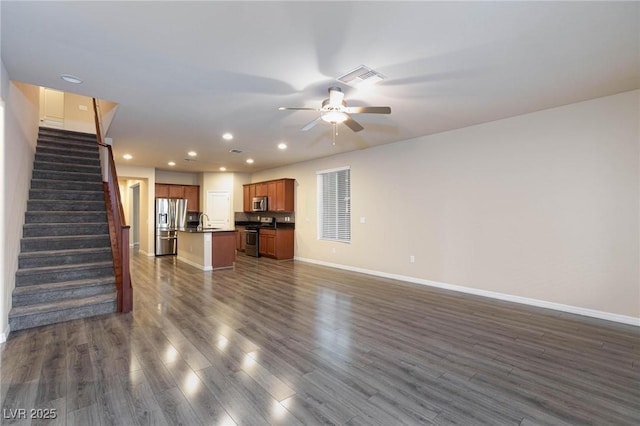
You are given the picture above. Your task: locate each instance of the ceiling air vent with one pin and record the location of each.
(361, 75)
(235, 151)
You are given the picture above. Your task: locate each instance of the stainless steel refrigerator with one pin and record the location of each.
(171, 214)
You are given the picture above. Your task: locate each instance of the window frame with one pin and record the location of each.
(343, 224)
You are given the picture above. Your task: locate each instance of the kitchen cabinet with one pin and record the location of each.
(284, 189)
(176, 191)
(192, 194)
(162, 190)
(189, 192)
(241, 238)
(280, 193)
(276, 243)
(261, 189)
(248, 192)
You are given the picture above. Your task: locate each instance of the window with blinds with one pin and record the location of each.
(334, 205)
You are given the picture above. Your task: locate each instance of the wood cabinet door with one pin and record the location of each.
(176, 191)
(273, 198)
(284, 244)
(162, 190)
(192, 194)
(284, 195)
(246, 198)
(267, 243)
(261, 190)
(241, 238)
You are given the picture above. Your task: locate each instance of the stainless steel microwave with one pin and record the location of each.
(260, 204)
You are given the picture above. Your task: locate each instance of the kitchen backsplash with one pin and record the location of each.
(288, 217)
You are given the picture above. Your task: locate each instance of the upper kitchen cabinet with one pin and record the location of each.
(162, 190)
(176, 191)
(280, 193)
(283, 202)
(192, 194)
(189, 192)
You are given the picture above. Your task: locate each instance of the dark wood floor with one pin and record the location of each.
(293, 343)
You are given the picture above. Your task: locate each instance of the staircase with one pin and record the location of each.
(65, 267)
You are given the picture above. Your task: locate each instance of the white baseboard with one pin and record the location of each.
(5, 334)
(195, 265)
(624, 319)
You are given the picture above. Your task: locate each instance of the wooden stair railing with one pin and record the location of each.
(118, 229)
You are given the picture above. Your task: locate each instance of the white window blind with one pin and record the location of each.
(334, 205)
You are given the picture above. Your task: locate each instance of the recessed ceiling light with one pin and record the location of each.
(171, 163)
(192, 153)
(282, 145)
(227, 136)
(70, 78)
(250, 160)
(223, 169)
(127, 156)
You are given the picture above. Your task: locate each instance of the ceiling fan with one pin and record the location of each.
(335, 111)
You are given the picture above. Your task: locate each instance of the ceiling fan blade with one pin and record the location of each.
(298, 108)
(369, 110)
(310, 124)
(353, 124)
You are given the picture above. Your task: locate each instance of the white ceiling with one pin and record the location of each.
(184, 73)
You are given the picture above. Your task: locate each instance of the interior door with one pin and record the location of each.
(219, 209)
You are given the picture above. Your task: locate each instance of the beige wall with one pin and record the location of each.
(542, 206)
(76, 119)
(145, 176)
(177, 178)
(21, 119)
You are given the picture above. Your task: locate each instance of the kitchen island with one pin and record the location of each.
(207, 249)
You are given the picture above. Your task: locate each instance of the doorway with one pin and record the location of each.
(219, 209)
(135, 215)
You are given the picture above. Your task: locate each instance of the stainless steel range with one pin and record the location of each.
(252, 241)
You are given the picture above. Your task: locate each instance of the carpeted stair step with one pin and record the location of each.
(64, 134)
(60, 229)
(69, 195)
(68, 158)
(65, 242)
(63, 205)
(68, 145)
(64, 290)
(62, 175)
(65, 217)
(22, 317)
(67, 185)
(48, 149)
(55, 274)
(64, 167)
(38, 259)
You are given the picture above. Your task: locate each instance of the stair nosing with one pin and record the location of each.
(68, 236)
(62, 285)
(60, 252)
(25, 272)
(63, 305)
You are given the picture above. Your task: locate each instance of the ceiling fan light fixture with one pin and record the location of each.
(335, 117)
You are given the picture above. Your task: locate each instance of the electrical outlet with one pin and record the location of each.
(412, 259)
(333, 249)
(363, 219)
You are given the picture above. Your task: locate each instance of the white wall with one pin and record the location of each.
(20, 136)
(542, 206)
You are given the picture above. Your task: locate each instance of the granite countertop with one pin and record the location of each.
(279, 225)
(205, 230)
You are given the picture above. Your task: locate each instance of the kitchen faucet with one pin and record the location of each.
(200, 221)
